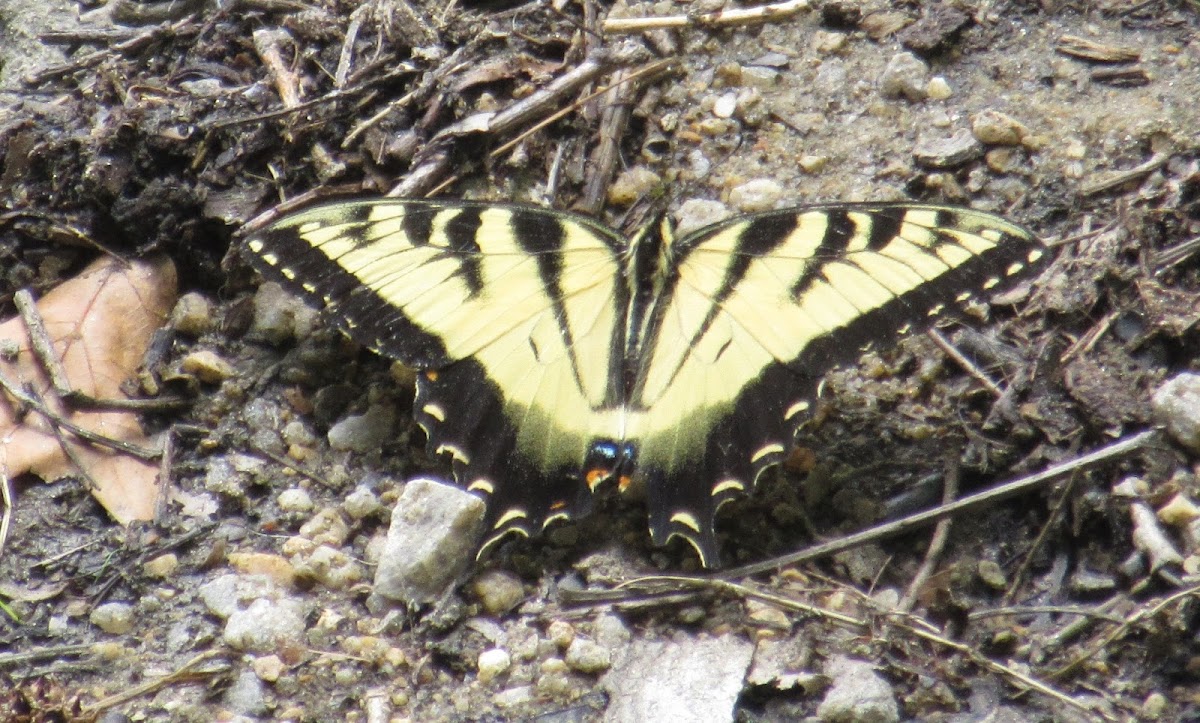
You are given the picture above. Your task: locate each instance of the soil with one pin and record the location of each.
(146, 128)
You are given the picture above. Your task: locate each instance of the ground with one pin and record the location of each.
(167, 132)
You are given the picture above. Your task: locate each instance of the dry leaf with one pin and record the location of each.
(100, 323)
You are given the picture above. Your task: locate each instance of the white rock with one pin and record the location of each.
(683, 680)
(294, 500)
(493, 663)
(760, 194)
(858, 694)
(115, 617)
(432, 537)
(266, 625)
(1176, 406)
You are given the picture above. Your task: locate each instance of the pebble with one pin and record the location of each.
(688, 679)
(1176, 405)
(991, 574)
(279, 316)
(295, 499)
(270, 566)
(1179, 511)
(812, 163)
(858, 693)
(498, 591)
(267, 667)
(948, 152)
(327, 527)
(697, 213)
(192, 315)
(115, 618)
(162, 567)
(364, 432)
(298, 433)
(938, 88)
(760, 194)
(265, 626)
(994, 128)
(904, 77)
(331, 567)
(492, 664)
(434, 530)
(725, 105)
(361, 503)
(207, 366)
(245, 696)
(561, 633)
(513, 697)
(587, 656)
(633, 184)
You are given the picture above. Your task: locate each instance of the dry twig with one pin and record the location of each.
(720, 18)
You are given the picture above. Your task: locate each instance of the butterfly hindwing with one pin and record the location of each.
(556, 354)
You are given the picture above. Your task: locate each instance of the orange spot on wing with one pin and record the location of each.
(595, 476)
(431, 375)
(623, 482)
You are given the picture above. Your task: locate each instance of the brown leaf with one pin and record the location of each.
(100, 323)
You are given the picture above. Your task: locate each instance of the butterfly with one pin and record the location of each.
(556, 356)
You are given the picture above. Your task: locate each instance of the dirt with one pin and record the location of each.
(171, 137)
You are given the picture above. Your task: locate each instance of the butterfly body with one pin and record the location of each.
(558, 355)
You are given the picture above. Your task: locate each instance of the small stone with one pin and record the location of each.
(766, 615)
(813, 163)
(331, 567)
(948, 152)
(432, 537)
(279, 316)
(162, 567)
(858, 693)
(1176, 406)
(992, 575)
(266, 626)
(633, 184)
(586, 656)
(513, 697)
(994, 128)
(498, 591)
(192, 315)
(938, 88)
(295, 499)
(684, 679)
(1179, 511)
(904, 77)
(268, 668)
(760, 194)
(492, 664)
(827, 43)
(364, 432)
(1154, 707)
(297, 432)
(207, 366)
(698, 213)
(327, 527)
(361, 503)
(561, 633)
(725, 105)
(245, 695)
(115, 618)
(1003, 159)
(273, 567)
